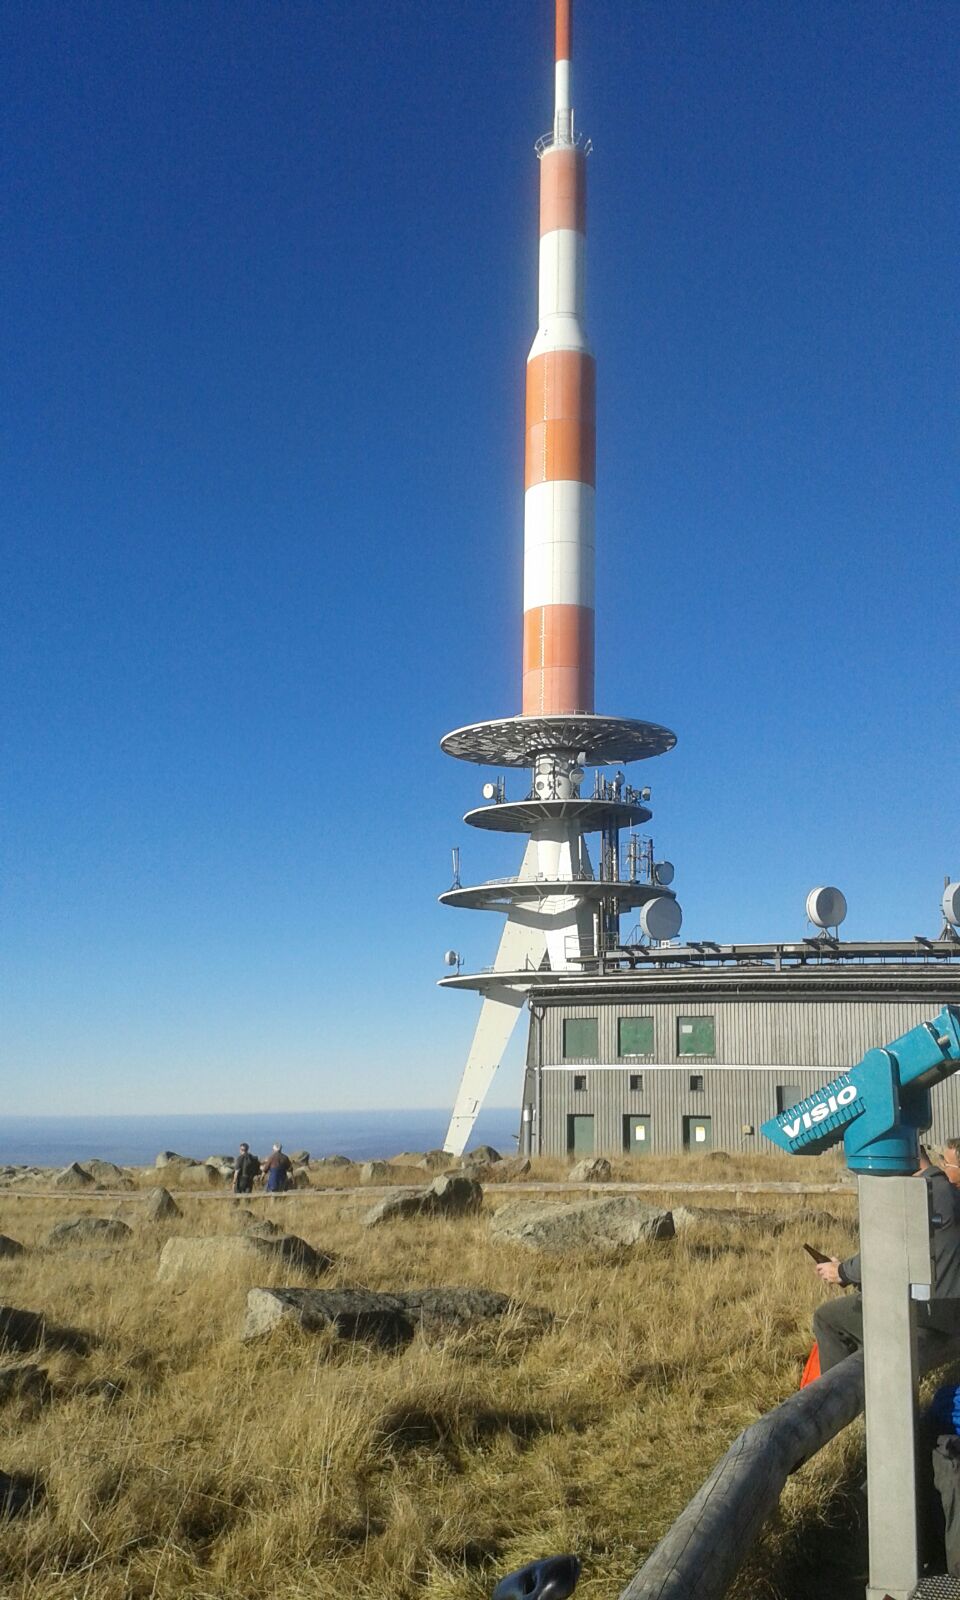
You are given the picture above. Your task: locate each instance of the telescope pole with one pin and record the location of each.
(896, 1268)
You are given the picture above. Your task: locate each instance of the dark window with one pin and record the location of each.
(580, 1039)
(635, 1036)
(579, 1083)
(696, 1083)
(787, 1095)
(636, 1082)
(696, 1036)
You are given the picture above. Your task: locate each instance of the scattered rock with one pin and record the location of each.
(441, 1308)
(375, 1172)
(435, 1161)
(299, 1178)
(10, 1247)
(196, 1257)
(597, 1227)
(169, 1158)
(333, 1161)
(406, 1158)
(222, 1165)
(384, 1319)
(262, 1227)
(595, 1169)
(483, 1155)
(106, 1172)
(19, 1493)
(89, 1230)
(301, 1158)
(198, 1176)
(510, 1170)
(351, 1314)
(160, 1206)
(453, 1194)
(24, 1382)
(21, 1330)
(73, 1177)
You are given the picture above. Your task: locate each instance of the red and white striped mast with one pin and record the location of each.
(560, 914)
(558, 581)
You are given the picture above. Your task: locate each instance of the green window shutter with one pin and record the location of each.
(696, 1036)
(635, 1036)
(580, 1039)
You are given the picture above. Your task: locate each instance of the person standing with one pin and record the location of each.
(950, 1161)
(276, 1170)
(838, 1323)
(246, 1168)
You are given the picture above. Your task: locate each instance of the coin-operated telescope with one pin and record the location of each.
(881, 1106)
(879, 1109)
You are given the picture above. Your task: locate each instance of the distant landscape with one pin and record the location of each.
(134, 1141)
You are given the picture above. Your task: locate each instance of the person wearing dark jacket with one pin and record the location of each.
(838, 1323)
(246, 1167)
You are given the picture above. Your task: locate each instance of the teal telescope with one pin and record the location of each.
(881, 1106)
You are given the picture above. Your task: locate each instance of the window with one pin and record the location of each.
(635, 1036)
(787, 1095)
(636, 1082)
(696, 1083)
(579, 1083)
(696, 1036)
(580, 1038)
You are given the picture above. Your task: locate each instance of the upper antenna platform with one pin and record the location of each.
(596, 741)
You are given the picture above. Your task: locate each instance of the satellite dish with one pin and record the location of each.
(951, 904)
(450, 958)
(489, 790)
(644, 794)
(576, 774)
(663, 871)
(826, 908)
(661, 918)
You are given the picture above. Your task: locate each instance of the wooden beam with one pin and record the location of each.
(701, 1554)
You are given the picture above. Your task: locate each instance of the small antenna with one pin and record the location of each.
(455, 853)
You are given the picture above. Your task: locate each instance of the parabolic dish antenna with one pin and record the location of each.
(663, 871)
(826, 907)
(951, 904)
(450, 958)
(661, 918)
(489, 791)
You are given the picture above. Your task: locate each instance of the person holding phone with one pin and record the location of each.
(838, 1323)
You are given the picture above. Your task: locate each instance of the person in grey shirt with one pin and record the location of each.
(838, 1323)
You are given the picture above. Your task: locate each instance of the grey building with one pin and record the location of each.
(660, 1049)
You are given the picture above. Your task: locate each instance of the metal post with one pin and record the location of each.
(895, 1260)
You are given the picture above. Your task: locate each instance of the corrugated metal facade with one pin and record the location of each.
(760, 1046)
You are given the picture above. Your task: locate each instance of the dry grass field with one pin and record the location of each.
(295, 1467)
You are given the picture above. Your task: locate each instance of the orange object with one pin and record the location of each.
(811, 1370)
(563, 190)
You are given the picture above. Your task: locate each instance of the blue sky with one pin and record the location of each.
(269, 272)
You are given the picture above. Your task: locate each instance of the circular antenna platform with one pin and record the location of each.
(522, 816)
(592, 740)
(664, 873)
(951, 904)
(826, 907)
(661, 918)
